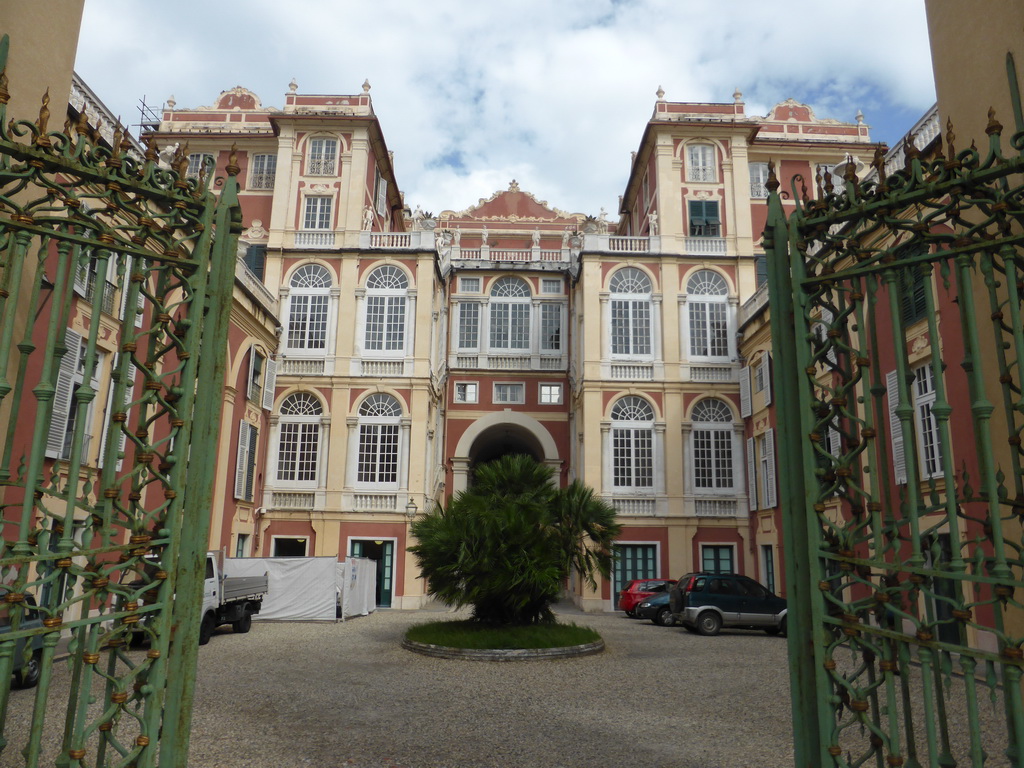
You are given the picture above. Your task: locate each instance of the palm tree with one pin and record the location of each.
(506, 545)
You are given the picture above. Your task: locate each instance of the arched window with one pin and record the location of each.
(632, 443)
(630, 290)
(510, 314)
(307, 308)
(379, 417)
(700, 163)
(708, 311)
(712, 448)
(384, 321)
(298, 439)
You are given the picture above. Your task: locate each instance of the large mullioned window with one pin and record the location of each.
(385, 310)
(510, 314)
(712, 448)
(630, 291)
(708, 309)
(632, 443)
(307, 308)
(379, 426)
(298, 443)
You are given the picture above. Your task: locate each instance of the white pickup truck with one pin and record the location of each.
(229, 599)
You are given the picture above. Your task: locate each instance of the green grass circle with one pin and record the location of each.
(477, 636)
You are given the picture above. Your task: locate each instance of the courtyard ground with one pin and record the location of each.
(338, 695)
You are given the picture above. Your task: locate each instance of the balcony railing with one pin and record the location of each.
(632, 371)
(712, 246)
(261, 180)
(320, 167)
(629, 244)
(621, 243)
(375, 502)
(716, 507)
(381, 367)
(291, 366)
(109, 291)
(710, 373)
(758, 189)
(293, 499)
(633, 507)
(700, 173)
(314, 239)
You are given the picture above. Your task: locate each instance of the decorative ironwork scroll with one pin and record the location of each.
(115, 275)
(896, 307)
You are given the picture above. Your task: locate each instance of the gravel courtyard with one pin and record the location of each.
(333, 695)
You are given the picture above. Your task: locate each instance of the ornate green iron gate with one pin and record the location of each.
(899, 343)
(101, 534)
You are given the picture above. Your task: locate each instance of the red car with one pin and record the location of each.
(638, 589)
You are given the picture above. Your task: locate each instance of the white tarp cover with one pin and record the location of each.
(357, 580)
(298, 588)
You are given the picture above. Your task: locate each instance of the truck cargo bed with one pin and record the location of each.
(242, 587)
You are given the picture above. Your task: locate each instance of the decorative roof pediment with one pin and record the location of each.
(513, 205)
(235, 98)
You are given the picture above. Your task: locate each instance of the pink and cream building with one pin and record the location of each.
(411, 348)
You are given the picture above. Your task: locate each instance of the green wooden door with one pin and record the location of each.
(633, 561)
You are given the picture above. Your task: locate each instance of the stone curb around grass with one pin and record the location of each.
(503, 654)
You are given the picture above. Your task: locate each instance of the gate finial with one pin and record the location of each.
(994, 126)
(772, 184)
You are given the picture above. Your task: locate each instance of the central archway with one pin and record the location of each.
(500, 434)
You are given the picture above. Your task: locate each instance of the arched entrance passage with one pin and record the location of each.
(499, 434)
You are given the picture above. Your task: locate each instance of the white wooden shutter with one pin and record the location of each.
(745, 409)
(242, 460)
(248, 381)
(834, 441)
(769, 446)
(751, 475)
(269, 382)
(62, 397)
(382, 197)
(81, 267)
(899, 459)
(766, 363)
(111, 410)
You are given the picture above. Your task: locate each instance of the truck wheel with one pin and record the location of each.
(28, 676)
(243, 625)
(206, 629)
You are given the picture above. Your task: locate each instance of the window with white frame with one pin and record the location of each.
(510, 314)
(550, 327)
(262, 171)
(254, 387)
(712, 446)
(509, 393)
(308, 302)
(766, 453)
(631, 300)
(550, 394)
(467, 392)
(700, 163)
(322, 157)
(926, 427)
(469, 326)
(385, 300)
(717, 558)
(316, 212)
(632, 443)
(469, 285)
(381, 193)
(379, 428)
(759, 180)
(768, 567)
(708, 315)
(298, 439)
(550, 285)
(66, 411)
(242, 544)
(197, 162)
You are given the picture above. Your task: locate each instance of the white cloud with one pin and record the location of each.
(552, 94)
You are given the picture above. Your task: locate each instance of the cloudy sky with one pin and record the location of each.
(553, 93)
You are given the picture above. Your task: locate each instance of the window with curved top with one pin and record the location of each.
(700, 162)
(384, 321)
(322, 157)
(708, 314)
(379, 426)
(712, 446)
(632, 443)
(510, 314)
(298, 439)
(308, 303)
(631, 291)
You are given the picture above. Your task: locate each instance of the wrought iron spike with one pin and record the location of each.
(994, 126)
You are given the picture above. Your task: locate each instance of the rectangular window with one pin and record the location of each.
(632, 458)
(551, 327)
(716, 558)
(322, 155)
(550, 285)
(466, 392)
(704, 220)
(631, 327)
(766, 447)
(196, 162)
(913, 302)
(469, 285)
(768, 566)
(929, 445)
(513, 394)
(317, 213)
(550, 394)
(307, 322)
(761, 268)
(378, 453)
(758, 180)
(255, 384)
(510, 325)
(385, 323)
(469, 326)
(700, 163)
(256, 260)
(242, 545)
(712, 458)
(381, 194)
(262, 170)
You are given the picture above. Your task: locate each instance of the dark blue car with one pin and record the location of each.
(706, 602)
